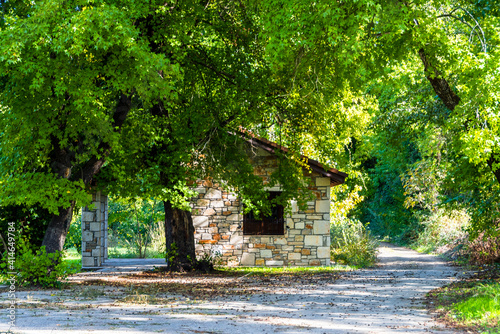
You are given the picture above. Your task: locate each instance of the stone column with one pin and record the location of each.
(94, 232)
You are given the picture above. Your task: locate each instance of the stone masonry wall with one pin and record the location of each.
(218, 222)
(95, 232)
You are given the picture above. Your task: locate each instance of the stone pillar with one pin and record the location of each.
(94, 232)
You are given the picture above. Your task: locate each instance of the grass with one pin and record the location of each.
(127, 253)
(473, 304)
(266, 271)
(482, 307)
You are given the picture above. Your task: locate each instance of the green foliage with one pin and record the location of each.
(352, 243)
(29, 223)
(443, 232)
(74, 237)
(132, 221)
(37, 268)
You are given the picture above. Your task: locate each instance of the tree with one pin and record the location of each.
(71, 75)
(153, 95)
(451, 44)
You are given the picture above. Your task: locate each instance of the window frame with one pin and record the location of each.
(271, 225)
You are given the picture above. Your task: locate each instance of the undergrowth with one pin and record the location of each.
(352, 244)
(472, 305)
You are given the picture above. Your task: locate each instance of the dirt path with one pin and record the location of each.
(387, 299)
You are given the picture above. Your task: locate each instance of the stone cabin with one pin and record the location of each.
(299, 239)
(302, 239)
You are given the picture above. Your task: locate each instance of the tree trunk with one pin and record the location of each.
(62, 164)
(179, 231)
(55, 236)
(451, 100)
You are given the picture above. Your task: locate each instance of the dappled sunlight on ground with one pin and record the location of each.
(385, 299)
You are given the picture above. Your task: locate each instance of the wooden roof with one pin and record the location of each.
(336, 177)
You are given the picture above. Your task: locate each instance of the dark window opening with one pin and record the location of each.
(270, 225)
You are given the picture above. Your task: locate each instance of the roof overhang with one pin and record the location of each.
(336, 177)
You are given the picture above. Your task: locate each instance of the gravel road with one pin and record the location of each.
(385, 299)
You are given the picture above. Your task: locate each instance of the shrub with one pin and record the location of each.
(485, 249)
(352, 244)
(38, 268)
(443, 231)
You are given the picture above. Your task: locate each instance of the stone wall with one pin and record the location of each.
(218, 222)
(95, 232)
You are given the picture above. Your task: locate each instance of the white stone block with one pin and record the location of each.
(213, 194)
(295, 208)
(266, 253)
(236, 239)
(323, 252)
(313, 240)
(200, 222)
(323, 206)
(289, 223)
(279, 241)
(200, 190)
(294, 256)
(322, 181)
(217, 204)
(248, 259)
(321, 227)
(273, 263)
(234, 217)
(299, 226)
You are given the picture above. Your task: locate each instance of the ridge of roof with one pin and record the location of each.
(336, 177)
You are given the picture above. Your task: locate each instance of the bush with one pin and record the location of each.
(74, 237)
(37, 267)
(352, 244)
(485, 249)
(443, 231)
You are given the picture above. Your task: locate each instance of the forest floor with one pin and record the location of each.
(386, 299)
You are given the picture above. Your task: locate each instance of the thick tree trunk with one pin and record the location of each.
(63, 160)
(55, 236)
(450, 100)
(179, 231)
